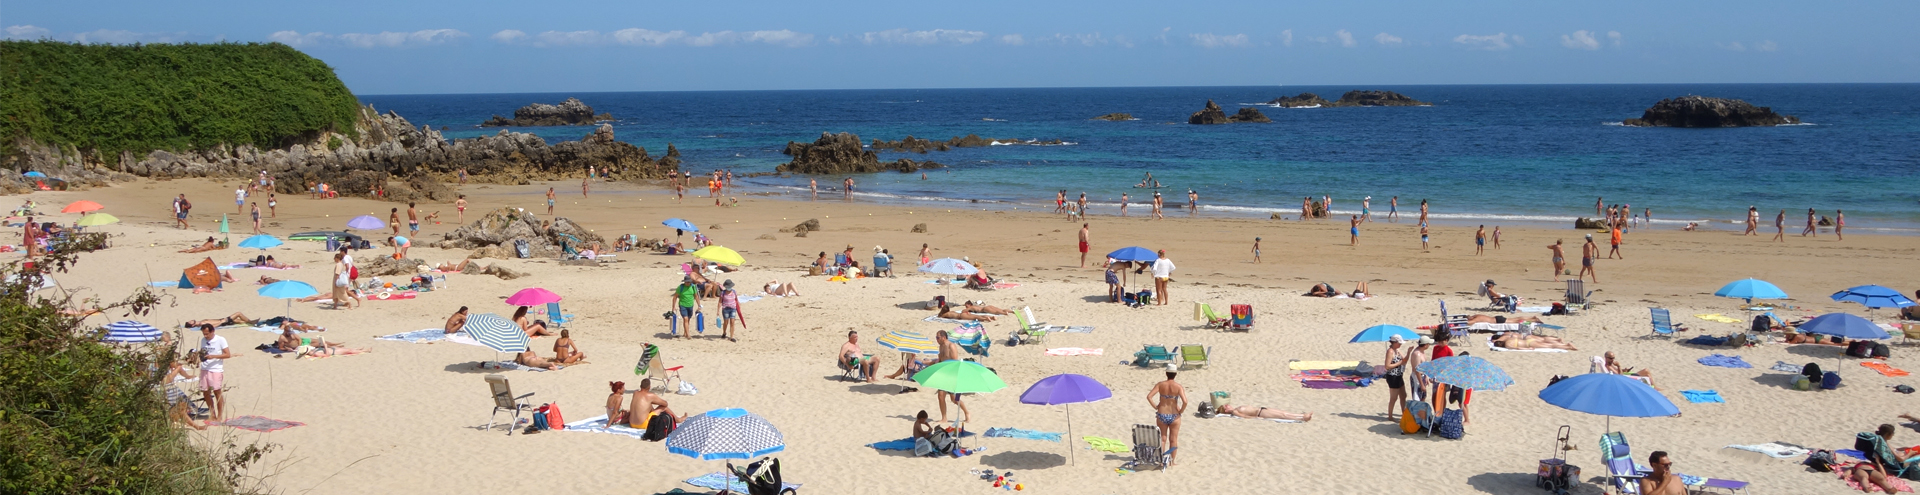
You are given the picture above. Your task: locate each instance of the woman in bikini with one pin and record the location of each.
(564, 351)
(1396, 376)
(775, 288)
(949, 313)
(1263, 413)
(533, 328)
(615, 414)
(983, 307)
(1515, 341)
(1169, 401)
(234, 319)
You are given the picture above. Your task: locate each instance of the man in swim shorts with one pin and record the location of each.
(1083, 245)
(1353, 231)
(413, 220)
(1587, 253)
(1559, 259)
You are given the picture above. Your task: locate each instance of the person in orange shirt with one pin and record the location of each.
(1616, 244)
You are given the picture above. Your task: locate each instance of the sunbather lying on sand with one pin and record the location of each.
(1263, 413)
(266, 280)
(1502, 319)
(319, 348)
(948, 313)
(1518, 342)
(1792, 337)
(273, 263)
(1327, 290)
(235, 319)
(529, 358)
(450, 267)
(982, 307)
(203, 247)
(775, 288)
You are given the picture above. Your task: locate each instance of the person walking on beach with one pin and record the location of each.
(1480, 241)
(1810, 225)
(393, 220)
(256, 218)
(463, 176)
(549, 201)
(214, 353)
(1424, 247)
(461, 205)
(1587, 252)
(949, 351)
(1496, 237)
(1193, 201)
(1157, 202)
(273, 206)
(1306, 207)
(1616, 245)
(686, 298)
(1839, 224)
(1353, 231)
(1559, 259)
(1256, 250)
(240, 199)
(180, 207)
(926, 254)
(1423, 215)
(1083, 245)
(1366, 209)
(1162, 274)
(1123, 204)
(1396, 376)
(1169, 402)
(1753, 220)
(1083, 204)
(1780, 226)
(1393, 209)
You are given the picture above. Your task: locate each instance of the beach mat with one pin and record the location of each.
(724, 481)
(1774, 450)
(1703, 396)
(1276, 420)
(1328, 385)
(598, 424)
(1724, 361)
(1104, 444)
(1884, 369)
(1503, 349)
(257, 423)
(937, 319)
(417, 336)
(1322, 365)
(1023, 434)
(1079, 329)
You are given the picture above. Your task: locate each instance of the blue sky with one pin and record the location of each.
(482, 46)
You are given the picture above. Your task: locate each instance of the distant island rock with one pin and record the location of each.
(1701, 111)
(1114, 117)
(918, 145)
(841, 154)
(570, 112)
(1213, 115)
(1356, 98)
(1305, 100)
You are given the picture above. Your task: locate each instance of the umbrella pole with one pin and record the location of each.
(1070, 448)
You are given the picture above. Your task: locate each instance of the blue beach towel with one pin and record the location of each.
(1703, 396)
(598, 424)
(170, 284)
(1075, 330)
(1783, 366)
(901, 444)
(1707, 340)
(1019, 433)
(417, 336)
(724, 481)
(1724, 361)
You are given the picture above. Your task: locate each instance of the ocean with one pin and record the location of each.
(1481, 154)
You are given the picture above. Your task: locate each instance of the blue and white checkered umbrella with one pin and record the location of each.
(725, 434)
(496, 332)
(131, 332)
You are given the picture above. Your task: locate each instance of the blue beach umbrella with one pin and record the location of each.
(681, 225)
(130, 331)
(1469, 372)
(1873, 296)
(34, 174)
(1380, 333)
(496, 332)
(261, 242)
(289, 290)
(1843, 325)
(1133, 253)
(1609, 395)
(366, 222)
(725, 434)
(1066, 389)
(1751, 289)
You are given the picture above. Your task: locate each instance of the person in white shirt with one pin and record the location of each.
(1162, 272)
(213, 354)
(240, 199)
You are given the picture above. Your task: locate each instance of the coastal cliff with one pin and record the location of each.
(570, 112)
(1701, 111)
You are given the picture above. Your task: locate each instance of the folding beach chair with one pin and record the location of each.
(1663, 322)
(1146, 449)
(503, 399)
(1242, 320)
(847, 373)
(555, 317)
(1203, 312)
(1030, 330)
(1623, 475)
(1577, 295)
(1194, 355)
(882, 265)
(1456, 325)
(656, 368)
(1152, 354)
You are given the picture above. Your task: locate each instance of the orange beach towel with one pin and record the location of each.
(1884, 369)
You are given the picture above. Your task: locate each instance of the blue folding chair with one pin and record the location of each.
(555, 316)
(1663, 322)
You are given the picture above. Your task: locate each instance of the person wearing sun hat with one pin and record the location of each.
(730, 311)
(1169, 401)
(686, 297)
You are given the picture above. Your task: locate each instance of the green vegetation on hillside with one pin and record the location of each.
(179, 97)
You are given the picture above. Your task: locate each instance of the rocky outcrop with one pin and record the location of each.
(1304, 100)
(386, 266)
(570, 112)
(1701, 111)
(493, 235)
(1584, 223)
(1377, 99)
(918, 145)
(386, 153)
(1213, 115)
(1114, 117)
(841, 154)
(811, 225)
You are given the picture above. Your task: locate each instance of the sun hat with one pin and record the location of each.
(1173, 368)
(1426, 340)
(728, 284)
(1396, 338)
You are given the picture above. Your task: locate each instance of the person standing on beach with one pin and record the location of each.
(1059, 201)
(461, 205)
(1626, 212)
(814, 185)
(1083, 244)
(1123, 204)
(1327, 201)
(1423, 216)
(1393, 209)
(413, 220)
(549, 201)
(1780, 226)
(1753, 220)
(1480, 241)
(1587, 252)
(583, 184)
(214, 353)
(1396, 376)
(1839, 224)
(1256, 250)
(1169, 402)
(180, 208)
(256, 218)
(1616, 245)
(1162, 275)
(240, 199)
(1157, 202)
(273, 205)
(1559, 259)
(1424, 247)
(1353, 231)
(1366, 209)
(926, 254)
(463, 176)
(1306, 208)
(1193, 201)
(949, 351)
(1083, 204)
(1810, 225)
(1496, 237)
(393, 220)
(848, 184)
(1599, 207)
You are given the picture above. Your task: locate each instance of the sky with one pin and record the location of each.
(488, 46)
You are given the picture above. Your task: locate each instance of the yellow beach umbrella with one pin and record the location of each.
(96, 219)
(721, 255)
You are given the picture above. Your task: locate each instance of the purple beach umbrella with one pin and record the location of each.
(1065, 389)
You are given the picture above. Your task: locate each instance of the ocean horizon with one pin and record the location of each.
(1481, 154)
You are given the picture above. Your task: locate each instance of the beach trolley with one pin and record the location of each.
(1555, 474)
(1241, 319)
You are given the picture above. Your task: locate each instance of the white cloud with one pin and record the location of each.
(1013, 39)
(1580, 40)
(1082, 39)
(1210, 40)
(1519, 41)
(394, 39)
(929, 37)
(1485, 42)
(509, 36)
(1734, 46)
(1286, 37)
(1388, 39)
(1346, 38)
(1614, 36)
(27, 32)
(1163, 34)
(1767, 46)
(295, 39)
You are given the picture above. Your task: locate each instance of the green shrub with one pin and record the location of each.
(177, 97)
(333, 143)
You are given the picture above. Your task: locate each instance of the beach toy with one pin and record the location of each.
(1019, 487)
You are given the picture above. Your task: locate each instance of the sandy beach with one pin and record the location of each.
(406, 417)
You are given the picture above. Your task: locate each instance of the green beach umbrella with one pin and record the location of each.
(96, 219)
(959, 377)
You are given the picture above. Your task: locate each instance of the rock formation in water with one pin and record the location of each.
(1304, 100)
(1213, 115)
(1359, 98)
(1115, 117)
(918, 145)
(493, 235)
(570, 112)
(841, 154)
(1701, 111)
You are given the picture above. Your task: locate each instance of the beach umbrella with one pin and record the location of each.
(289, 290)
(81, 206)
(949, 266)
(1751, 289)
(366, 222)
(35, 174)
(911, 342)
(130, 331)
(1065, 389)
(1873, 296)
(1380, 333)
(1468, 372)
(1843, 325)
(679, 224)
(532, 296)
(721, 255)
(496, 332)
(959, 377)
(1134, 253)
(260, 242)
(96, 219)
(725, 434)
(1609, 395)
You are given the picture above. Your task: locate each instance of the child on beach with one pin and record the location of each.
(1423, 237)
(1480, 241)
(1256, 250)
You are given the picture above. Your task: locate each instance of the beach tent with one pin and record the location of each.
(204, 275)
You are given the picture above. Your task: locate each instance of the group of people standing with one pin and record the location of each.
(1813, 222)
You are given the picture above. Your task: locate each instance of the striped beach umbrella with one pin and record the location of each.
(913, 342)
(130, 331)
(725, 434)
(496, 332)
(1468, 372)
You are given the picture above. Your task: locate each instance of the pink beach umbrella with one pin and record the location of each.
(532, 296)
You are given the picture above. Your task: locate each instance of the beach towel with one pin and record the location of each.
(1075, 330)
(269, 329)
(510, 365)
(1503, 349)
(1105, 444)
(1074, 351)
(1322, 365)
(463, 338)
(1005, 285)
(1703, 396)
(751, 298)
(937, 319)
(1717, 317)
(1845, 471)
(170, 284)
(1707, 340)
(257, 423)
(907, 443)
(1023, 434)
(1329, 385)
(729, 482)
(416, 336)
(1534, 309)
(1724, 361)
(598, 424)
(1783, 366)
(392, 296)
(1495, 327)
(1774, 450)
(1276, 420)
(1884, 369)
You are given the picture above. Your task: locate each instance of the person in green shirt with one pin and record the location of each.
(686, 297)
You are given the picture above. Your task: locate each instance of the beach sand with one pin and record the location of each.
(405, 417)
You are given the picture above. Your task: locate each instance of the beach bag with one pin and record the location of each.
(1557, 309)
(1418, 415)
(353, 272)
(1830, 381)
(1449, 426)
(686, 388)
(552, 413)
(1761, 324)
(942, 441)
(1811, 371)
(1880, 350)
(1802, 384)
(1820, 460)
(1860, 348)
(540, 417)
(658, 428)
(520, 248)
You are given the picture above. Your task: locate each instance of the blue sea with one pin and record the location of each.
(1481, 154)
